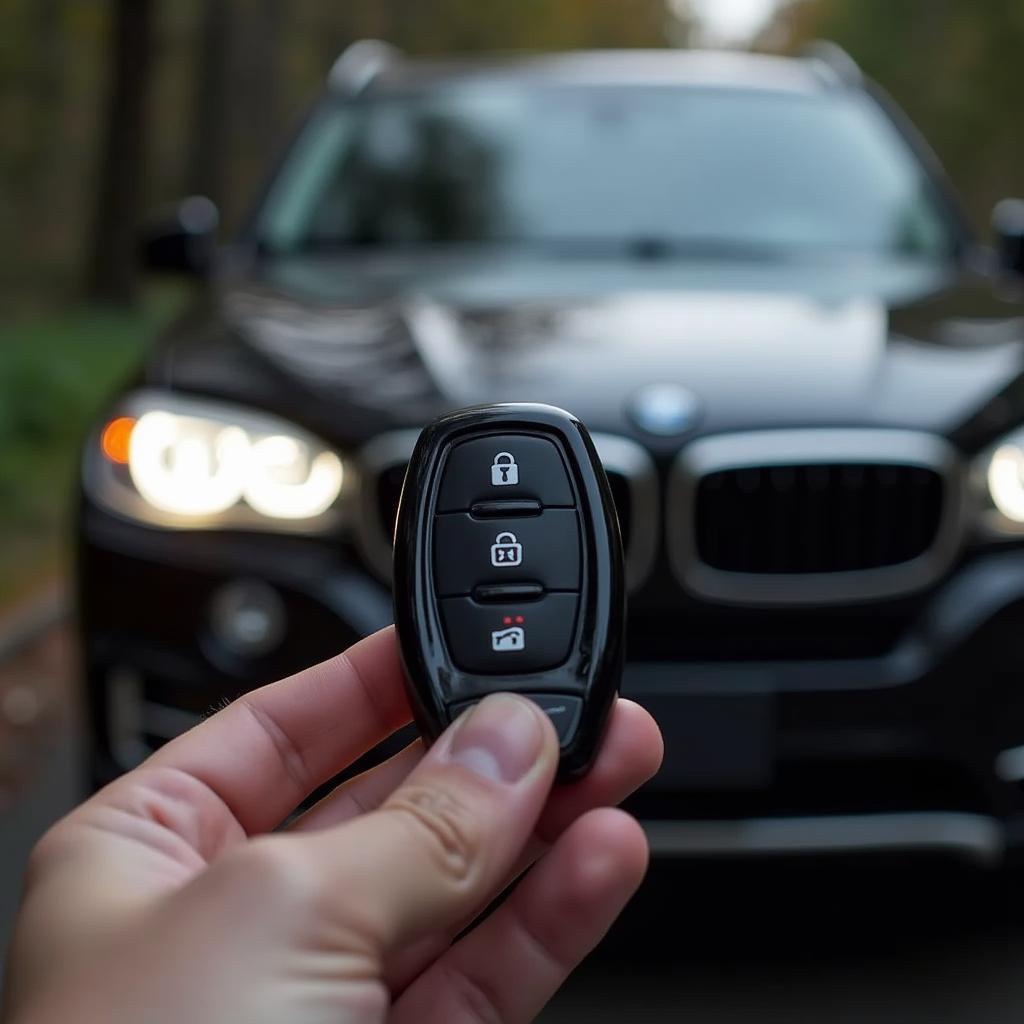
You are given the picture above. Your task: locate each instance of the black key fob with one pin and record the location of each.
(508, 572)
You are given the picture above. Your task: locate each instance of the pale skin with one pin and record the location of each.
(172, 895)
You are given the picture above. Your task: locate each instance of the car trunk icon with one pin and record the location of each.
(512, 638)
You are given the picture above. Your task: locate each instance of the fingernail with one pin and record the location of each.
(501, 738)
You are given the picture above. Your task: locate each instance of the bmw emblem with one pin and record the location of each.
(667, 410)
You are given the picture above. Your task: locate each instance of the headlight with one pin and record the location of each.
(183, 462)
(998, 475)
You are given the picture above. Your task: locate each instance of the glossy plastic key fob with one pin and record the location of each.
(508, 572)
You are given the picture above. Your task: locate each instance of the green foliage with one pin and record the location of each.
(953, 65)
(56, 372)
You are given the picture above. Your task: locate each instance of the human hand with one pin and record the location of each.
(165, 899)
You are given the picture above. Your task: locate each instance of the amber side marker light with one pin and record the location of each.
(115, 439)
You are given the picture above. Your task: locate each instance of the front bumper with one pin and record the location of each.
(918, 747)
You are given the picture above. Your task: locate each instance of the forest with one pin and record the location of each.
(111, 107)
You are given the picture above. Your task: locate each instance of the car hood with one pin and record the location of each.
(376, 344)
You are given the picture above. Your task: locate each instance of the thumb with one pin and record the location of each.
(444, 843)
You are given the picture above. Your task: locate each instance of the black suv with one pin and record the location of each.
(750, 279)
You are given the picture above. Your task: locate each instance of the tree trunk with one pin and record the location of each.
(265, 77)
(45, 194)
(208, 151)
(255, 111)
(113, 271)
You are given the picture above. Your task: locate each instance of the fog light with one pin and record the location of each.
(248, 618)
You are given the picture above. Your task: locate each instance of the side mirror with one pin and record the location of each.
(182, 239)
(1008, 227)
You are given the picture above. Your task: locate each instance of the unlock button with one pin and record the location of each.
(542, 549)
(506, 550)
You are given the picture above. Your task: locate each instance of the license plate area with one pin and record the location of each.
(719, 729)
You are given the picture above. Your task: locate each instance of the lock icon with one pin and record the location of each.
(504, 470)
(506, 550)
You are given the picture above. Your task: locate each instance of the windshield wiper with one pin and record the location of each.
(663, 247)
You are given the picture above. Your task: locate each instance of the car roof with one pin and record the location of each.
(706, 68)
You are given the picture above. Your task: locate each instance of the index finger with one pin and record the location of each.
(264, 753)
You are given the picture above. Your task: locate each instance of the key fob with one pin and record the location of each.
(508, 572)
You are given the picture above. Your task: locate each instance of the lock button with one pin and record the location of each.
(504, 471)
(543, 549)
(503, 467)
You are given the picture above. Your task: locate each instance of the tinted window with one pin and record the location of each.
(596, 166)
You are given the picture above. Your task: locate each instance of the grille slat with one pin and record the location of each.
(817, 518)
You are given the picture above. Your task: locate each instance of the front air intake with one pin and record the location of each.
(823, 518)
(814, 516)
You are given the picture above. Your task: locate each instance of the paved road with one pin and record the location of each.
(40, 753)
(21, 823)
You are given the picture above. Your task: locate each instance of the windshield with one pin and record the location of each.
(656, 170)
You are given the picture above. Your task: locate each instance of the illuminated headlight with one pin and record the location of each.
(999, 482)
(183, 462)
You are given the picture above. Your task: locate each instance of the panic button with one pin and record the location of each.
(563, 711)
(503, 467)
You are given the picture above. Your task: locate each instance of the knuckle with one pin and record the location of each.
(445, 824)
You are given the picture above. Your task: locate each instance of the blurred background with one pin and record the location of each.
(110, 109)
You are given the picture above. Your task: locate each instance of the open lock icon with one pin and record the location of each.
(506, 550)
(504, 471)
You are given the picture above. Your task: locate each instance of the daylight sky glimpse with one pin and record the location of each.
(731, 22)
